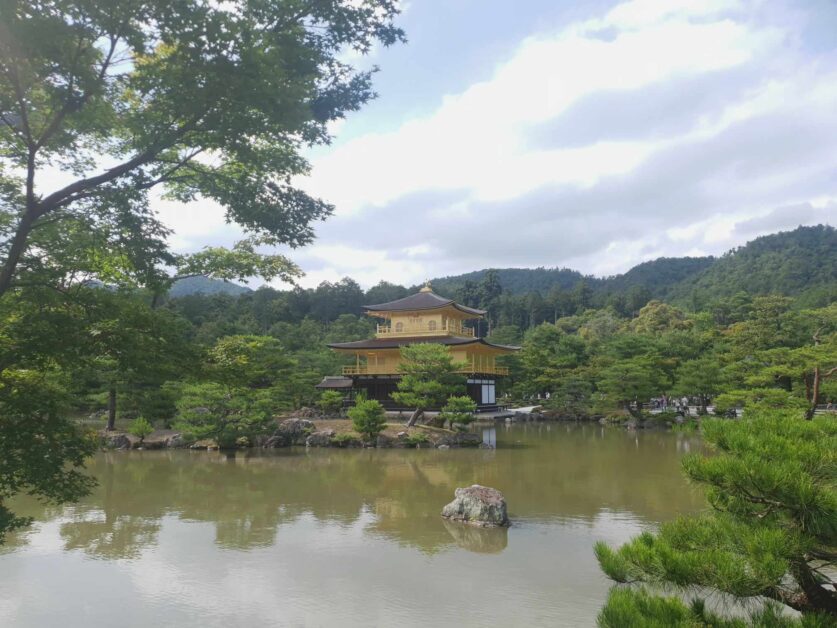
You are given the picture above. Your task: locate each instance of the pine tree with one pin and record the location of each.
(772, 530)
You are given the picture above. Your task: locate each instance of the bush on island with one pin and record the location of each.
(141, 428)
(331, 402)
(368, 418)
(458, 411)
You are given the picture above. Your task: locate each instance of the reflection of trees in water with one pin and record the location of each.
(123, 536)
(558, 470)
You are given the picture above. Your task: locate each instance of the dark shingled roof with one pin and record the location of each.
(338, 382)
(424, 300)
(395, 343)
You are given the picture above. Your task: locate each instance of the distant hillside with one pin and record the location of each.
(660, 276)
(791, 262)
(800, 263)
(788, 262)
(514, 280)
(205, 285)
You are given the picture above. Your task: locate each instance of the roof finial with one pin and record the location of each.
(427, 287)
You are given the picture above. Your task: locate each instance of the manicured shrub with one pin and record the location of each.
(458, 411)
(331, 402)
(141, 428)
(368, 418)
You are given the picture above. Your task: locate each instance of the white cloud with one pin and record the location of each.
(475, 139)
(659, 128)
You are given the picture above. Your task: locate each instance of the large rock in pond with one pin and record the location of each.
(291, 432)
(478, 505)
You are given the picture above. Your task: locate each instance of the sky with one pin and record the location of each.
(592, 135)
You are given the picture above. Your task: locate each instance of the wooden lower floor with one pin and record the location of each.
(481, 388)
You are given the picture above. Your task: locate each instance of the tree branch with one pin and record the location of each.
(68, 103)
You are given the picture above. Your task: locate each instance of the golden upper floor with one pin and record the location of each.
(423, 314)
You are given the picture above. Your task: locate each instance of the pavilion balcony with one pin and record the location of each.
(450, 328)
(469, 369)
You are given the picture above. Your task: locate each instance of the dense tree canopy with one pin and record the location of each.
(103, 104)
(205, 100)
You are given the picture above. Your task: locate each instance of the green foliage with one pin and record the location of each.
(417, 439)
(368, 418)
(572, 397)
(122, 98)
(247, 362)
(632, 382)
(141, 428)
(428, 377)
(246, 379)
(213, 411)
(458, 411)
(141, 86)
(43, 453)
(785, 263)
(773, 526)
(331, 402)
(344, 440)
(658, 317)
(637, 608)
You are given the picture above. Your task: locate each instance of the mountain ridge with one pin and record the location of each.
(785, 262)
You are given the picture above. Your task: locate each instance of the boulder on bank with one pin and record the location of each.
(177, 441)
(115, 440)
(478, 505)
(461, 439)
(291, 432)
(321, 438)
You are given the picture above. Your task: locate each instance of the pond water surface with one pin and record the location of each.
(344, 537)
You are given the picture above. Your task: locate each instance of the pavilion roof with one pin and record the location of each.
(335, 382)
(396, 343)
(423, 300)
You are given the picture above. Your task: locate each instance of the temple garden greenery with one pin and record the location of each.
(91, 337)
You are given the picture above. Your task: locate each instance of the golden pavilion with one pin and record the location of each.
(421, 317)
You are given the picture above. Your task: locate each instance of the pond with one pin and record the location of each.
(344, 537)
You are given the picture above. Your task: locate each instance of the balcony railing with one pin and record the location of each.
(382, 369)
(451, 328)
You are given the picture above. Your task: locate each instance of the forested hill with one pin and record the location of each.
(802, 263)
(789, 263)
(660, 276)
(515, 280)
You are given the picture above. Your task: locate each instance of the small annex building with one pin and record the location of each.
(423, 317)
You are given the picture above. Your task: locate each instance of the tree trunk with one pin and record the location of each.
(16, 250)
(415, 417)
(815, 394)
(819, 598)
(111, 409)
